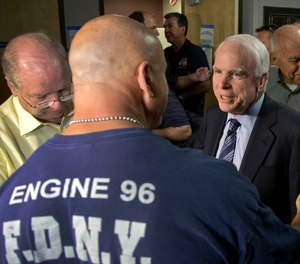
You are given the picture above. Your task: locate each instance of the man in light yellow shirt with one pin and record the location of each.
(37, 72)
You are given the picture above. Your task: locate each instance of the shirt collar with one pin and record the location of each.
(287, 86)
(27, 122)
(248, 118)
(254, 109)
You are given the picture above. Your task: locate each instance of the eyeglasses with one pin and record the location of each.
(46, 104)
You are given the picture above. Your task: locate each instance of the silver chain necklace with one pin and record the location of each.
(110, 118)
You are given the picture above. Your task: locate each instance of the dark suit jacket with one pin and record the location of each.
(272, 156)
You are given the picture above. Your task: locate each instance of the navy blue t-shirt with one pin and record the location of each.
(129, 196)
(174, 115)
(186, 61)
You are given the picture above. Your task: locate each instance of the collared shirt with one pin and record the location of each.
(186, 61)
(281, 92)
(21, 134)
(247, 121)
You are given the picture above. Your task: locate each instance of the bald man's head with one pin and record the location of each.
(285, 52)
(119, 60)
(32, 50)
(285, 35)
(109, 47)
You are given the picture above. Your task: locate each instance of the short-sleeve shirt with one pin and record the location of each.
(185, 61)
(129, 196)
(21, 134)
(174, 114)
(279, 91)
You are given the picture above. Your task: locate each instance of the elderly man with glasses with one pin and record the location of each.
(37, 72)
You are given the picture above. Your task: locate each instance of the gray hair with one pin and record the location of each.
(274, 44)
(10, 55)
(257, 48)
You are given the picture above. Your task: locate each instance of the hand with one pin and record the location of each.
(298, 203)
(202, 74)
(296, 221)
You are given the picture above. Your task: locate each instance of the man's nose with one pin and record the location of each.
(225, 80)
(57, 105)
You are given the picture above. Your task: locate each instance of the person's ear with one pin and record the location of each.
(183, 29)
(11, 86)
(274, 59)
(145, 81)
(262, 82)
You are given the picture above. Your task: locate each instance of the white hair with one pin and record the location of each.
(257, 48)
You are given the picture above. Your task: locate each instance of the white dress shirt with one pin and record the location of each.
(247, 121)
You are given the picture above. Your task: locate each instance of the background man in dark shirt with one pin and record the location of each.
(189, 60)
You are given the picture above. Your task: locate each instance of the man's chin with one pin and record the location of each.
(225, 107)
(54, 119)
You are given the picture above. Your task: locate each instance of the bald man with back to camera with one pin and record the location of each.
(108, 190)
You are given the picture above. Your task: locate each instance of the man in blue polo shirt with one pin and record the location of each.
(189, 61)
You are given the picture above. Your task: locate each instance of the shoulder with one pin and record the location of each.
(273, 73)
(282, 111)
(288, 117)
(193, 47)
(210, 178)
(274, 80)
(8, 116)
(196, 54)
(214, 110)
(168, 50)
(209, 169)
(281, 119)
(7, 107)
(190, 44)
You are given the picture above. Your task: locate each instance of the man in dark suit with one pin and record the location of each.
(267, 142)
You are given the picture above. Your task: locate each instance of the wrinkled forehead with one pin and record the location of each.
(42, 64)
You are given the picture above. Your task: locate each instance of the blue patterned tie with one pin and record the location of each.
(228, 148)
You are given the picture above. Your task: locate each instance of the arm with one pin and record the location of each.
(202, 74)
(198, 139)
(174, 133)
(194, 84)
(197, 88)
(175, 125)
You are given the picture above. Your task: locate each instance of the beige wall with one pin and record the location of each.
(167, 8)
(222, 14)
(128, 6)
(19, 16)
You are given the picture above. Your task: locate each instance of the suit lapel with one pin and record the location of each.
(214, 131)
(260, 141)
